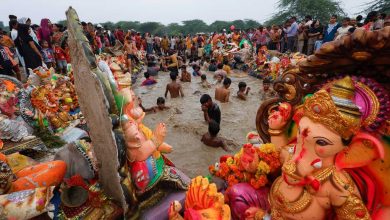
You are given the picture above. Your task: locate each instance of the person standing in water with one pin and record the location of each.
(222, 93)
(211, 111)
(175, 89)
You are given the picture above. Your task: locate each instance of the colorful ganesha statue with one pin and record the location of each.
(146, 163)
(333, 168)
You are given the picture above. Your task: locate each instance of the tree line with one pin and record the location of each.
(318, 9)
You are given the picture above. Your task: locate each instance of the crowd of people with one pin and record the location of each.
(31, 46)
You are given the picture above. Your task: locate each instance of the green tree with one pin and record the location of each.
(108, 25)
(62, 22)
(251, 23)
(318, 9)
(218, 26)
(151, 27)
(128, 25)
(382, 6)
(238, 24)
(173, 29)
(1, 25)
(194, 26)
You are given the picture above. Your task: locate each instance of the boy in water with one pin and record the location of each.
(174, 88)
(211, 111)
(204, 82)
(185, 76)
(148, 80)
(267, 91)
(160, 105)
(210, 138)
(242, 90)
(222, 93)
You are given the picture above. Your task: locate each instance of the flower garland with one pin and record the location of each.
(232, 171)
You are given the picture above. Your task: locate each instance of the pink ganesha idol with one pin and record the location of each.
(144, 147)
(334, 167)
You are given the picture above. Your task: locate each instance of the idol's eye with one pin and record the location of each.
(322, 143)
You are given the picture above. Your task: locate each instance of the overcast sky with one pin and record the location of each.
(164, 11)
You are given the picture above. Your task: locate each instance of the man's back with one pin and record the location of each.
(174, 89)
(222, 94)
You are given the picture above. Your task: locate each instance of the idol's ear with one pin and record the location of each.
(363, 149)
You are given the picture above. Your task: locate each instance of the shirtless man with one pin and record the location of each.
(185, 76)
(174, 88)
(210, 138)
(222, 93)
(130, 49)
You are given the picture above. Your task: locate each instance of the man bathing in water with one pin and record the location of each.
(159, 107)
(174, 88)
(211, 111)
(242, 90)
(210, 138)
(222, 93)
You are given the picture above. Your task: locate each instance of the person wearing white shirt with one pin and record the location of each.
(344, 29)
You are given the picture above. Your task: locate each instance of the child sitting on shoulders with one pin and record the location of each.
(210, 138)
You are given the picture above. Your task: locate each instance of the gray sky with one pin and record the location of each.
(164, 11)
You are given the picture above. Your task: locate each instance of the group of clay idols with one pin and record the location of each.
(331, 167)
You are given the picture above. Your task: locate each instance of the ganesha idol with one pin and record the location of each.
(333, 165)
(330, 170)
(146, 163)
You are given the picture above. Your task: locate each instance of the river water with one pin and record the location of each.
(186, 125)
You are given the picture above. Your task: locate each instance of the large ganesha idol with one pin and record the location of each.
(333, 168)
(146, 163)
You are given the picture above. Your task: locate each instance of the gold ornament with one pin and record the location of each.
(327, 109)
(280, 201)
(352, 209)
(273, 132)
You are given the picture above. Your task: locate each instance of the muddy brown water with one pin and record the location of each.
(186, 125)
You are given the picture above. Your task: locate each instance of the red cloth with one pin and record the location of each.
(59, 53)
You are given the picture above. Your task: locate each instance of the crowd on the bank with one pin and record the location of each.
(31, 46)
